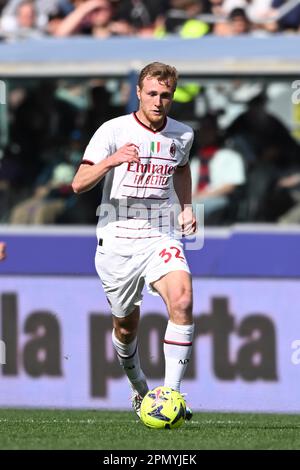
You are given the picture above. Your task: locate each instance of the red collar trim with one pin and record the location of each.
(149, 128)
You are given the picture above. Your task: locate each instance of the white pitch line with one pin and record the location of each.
(52, 421)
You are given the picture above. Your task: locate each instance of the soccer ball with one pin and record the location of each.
(163, 408)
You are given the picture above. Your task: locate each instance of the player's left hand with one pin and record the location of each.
(187, 221)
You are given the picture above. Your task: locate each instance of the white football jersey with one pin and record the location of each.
(137, 197)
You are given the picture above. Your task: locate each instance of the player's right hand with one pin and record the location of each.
(127, 153)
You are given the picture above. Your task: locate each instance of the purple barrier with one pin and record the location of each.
(234, 253)
(260, 255)
(49, 254)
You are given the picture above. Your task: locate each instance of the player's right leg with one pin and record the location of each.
(124, 338)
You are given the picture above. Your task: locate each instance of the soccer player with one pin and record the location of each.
(144, 159)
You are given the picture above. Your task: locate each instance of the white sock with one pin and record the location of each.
(129, 360)
(177, 350)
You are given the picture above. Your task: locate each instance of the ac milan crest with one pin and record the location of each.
(173, 149)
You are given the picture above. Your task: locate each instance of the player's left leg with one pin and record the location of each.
(124, 299)
(175, 288)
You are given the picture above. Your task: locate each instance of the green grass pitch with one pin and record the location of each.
(112, 430)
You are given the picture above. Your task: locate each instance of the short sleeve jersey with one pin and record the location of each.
(137, 197)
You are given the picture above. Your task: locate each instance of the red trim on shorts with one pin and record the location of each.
(87, 162)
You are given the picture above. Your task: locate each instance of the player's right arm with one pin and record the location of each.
(88, 175)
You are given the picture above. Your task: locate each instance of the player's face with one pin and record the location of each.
(155, 101)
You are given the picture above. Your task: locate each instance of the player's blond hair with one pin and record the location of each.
(163, 72)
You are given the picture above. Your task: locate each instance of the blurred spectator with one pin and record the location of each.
(49, 200)
(272, 154)
(41, 120)
(256, 10)
(272, 193)
(99, 110)
(291, 184)
(42, 10)
(54, 20)
(11, 179)
(236, 24)
(220, 173)
(83, 208)
(215, 7)
(93, 17)
(263, 134)
(25, 21)
(143, 15)
(2, 5)
(181, 19)
(26, 15)
(2, 251)
(290, 21)
(239, 22)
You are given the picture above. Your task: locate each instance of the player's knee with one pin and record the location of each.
(125, 334)
(181, 306)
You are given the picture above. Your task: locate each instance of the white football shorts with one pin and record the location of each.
(123, 277)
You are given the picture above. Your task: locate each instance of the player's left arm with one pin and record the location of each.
(183, 186)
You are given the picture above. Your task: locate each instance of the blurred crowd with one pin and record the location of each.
(49, 123)
(245, 160)
(146, 18)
